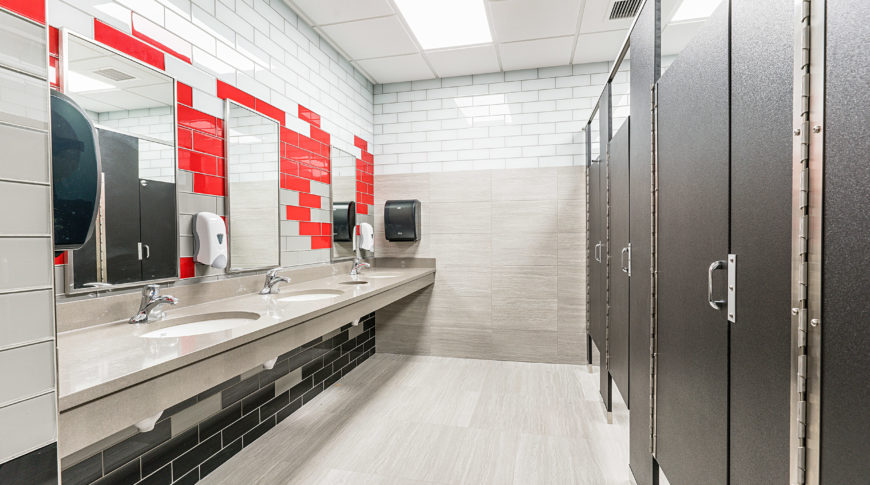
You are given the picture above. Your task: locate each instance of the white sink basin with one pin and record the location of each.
(377, 276)
(309, 295)
(202, 324)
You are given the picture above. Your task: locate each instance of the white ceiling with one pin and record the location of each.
(526, 34)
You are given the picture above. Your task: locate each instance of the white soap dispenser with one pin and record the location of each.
(210, 240)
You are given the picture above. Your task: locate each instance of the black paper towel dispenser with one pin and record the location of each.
(343, 221)
(76, 171)
(402, 220)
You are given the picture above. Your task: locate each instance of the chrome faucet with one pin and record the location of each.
(151, 298)
(272, 279)
(358, 263)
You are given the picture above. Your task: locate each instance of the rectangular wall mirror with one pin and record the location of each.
(132, 106)
(253, 159)
(343, 203)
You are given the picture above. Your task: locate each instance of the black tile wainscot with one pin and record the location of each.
(37, 467)
(197, 435)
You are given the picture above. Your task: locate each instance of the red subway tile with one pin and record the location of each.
(360, 143)
(198, 162)
(222, 167)
(127, 44)
(309, 200)
(297, 153)
(319, 135)
(157, 44)
(312, 173)
(186, 268)
(208, 144)
(309, 228)
(226, 91)
(270, 111)
(185, 138)
(208, 184)
(298, 213)
(369, 199)
(321, 242)
(362, 209)
(306, 114)
(32, 9)
(185, 94)
(219, 127)
(309, 144)
(289, 167)
(326, 229)
(60, 258)
(290, 182)
(197, 120)
(368, 157)
(319, 162)
(52, 72)
(53, 41)
(289, 136)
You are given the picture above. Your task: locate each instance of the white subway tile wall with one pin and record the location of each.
(515, 119)
(28, 415)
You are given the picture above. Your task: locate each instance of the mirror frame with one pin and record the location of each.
(62, 74)
(332, 149)
(230, 269)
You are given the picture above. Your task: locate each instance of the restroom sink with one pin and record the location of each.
(309, 295)
(202, 324)
(380, 276)
(354, 282)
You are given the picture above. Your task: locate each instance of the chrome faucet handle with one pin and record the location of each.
(270, 286)
(274, 271)
(151, 298)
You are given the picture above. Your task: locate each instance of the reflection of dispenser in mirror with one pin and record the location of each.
(343, 221)
(210, 239)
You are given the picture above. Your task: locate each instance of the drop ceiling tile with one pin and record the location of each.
(397, 68)
(365, 39)
(524, 20)
(536, 53)
(333, 11)
(464, 60)
(599, 46)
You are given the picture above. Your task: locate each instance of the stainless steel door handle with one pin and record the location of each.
(596, 252)
(716, 304)
(622, 264)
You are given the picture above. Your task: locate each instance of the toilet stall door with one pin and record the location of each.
(596, 327)
(693, 173)
(617, 162)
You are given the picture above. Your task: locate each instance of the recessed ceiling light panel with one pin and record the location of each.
(446, 23)
(695, 10)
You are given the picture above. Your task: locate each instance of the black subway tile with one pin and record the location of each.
(162, 476)
(258, 431)
(330, 357)
(348, 346)
(39, 467)
(274, 405)
(312, 367)
(239, 391)
(194, 457)
(172, 449)
(340, 362)
(240, 427)
(331, 379)
(299, 389)
(85, 471)
(258, 398)
(219, 421)
(225, 454)
(303, 358)
(308, 396)
(135, 446)
(321, 375)
(290, 353)
(189, 479)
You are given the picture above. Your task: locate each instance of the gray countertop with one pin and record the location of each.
(99, 360)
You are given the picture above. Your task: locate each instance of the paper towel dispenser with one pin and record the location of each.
(343, 221)
(402, 220)
(76, 173)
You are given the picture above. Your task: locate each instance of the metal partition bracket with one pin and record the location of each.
(732, 288)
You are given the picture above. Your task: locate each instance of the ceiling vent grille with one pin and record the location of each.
(623, 9)
(114, 74)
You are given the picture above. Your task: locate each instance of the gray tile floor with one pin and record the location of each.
(400, 419)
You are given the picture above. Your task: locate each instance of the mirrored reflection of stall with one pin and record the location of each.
(131, 106)
(343, 203)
